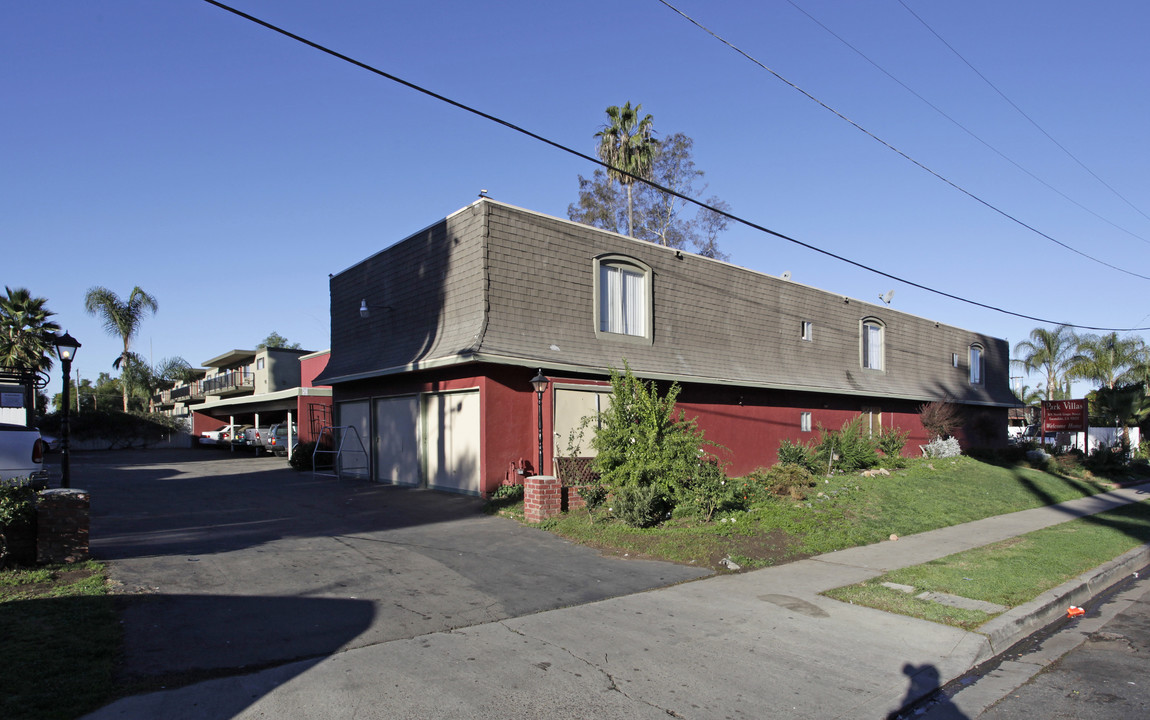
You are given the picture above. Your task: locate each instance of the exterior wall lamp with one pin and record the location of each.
(66, 347)
(365, 309)
(540, 383)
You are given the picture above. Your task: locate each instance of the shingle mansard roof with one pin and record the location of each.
(495, 283)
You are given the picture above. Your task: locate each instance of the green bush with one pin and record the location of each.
(594, 496)
(847, 449)
(301, 456)
(510, 493)
(640, 506)
(643, 443)
(786, 481)
(711, 490)
(891, 442)
(795, 453)
(17, 509)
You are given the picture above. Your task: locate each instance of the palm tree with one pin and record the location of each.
(1109, 360)
(121, 318)
(1127, 405)
(1048, 351)
(26, 334)
(626, 144)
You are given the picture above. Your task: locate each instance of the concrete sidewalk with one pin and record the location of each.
(756, 645)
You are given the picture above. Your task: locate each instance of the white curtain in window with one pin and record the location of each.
(634, 304)
(975, 364)
(622, 301)
(872, 346)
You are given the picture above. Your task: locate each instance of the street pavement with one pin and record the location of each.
(1088, 668)
(755, 645)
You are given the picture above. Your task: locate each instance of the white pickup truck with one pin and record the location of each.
(22, 455)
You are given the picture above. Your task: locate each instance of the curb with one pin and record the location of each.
(1014, 625)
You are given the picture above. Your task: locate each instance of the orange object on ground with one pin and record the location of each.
(1075, 611)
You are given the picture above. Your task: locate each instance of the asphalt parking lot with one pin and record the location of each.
(228, 562)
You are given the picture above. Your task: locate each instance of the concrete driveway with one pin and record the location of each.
(230, 563)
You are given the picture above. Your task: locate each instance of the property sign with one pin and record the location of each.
(1064, 416)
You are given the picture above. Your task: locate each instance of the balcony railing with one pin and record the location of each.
(228, 382)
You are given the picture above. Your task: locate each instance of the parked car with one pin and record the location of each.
(221, 436)
(277, 441)
(239, 436)
(256, 437)
(22, 455)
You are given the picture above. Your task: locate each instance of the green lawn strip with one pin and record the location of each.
(61, 638)
(840, 512)
(1009, 573)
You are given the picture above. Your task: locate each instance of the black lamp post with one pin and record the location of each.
(66, 347)
(540, 383)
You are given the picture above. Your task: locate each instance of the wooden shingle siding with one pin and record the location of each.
(713, 322)
(498, 283)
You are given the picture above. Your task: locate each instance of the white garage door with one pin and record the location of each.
(451, 440)
(397, 440)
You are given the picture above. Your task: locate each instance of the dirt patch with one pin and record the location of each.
(756, 551)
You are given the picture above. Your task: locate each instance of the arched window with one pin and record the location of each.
(976, 364)
(622, 298)
(872, 344)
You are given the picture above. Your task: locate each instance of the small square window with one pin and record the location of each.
(805, 422)
(808, 331)
(260, 364)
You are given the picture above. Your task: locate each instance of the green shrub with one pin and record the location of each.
(301, 456)
(510, 493)
(642, 442)
(640, 506)
(594, 496)
(847, 449)
(891, 442)
(711, 489)
(17, 509)
(786, 481)
(796, 453)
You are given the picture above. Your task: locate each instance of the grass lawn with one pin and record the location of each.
(840, 512)
(60, 638)
(1009, 573)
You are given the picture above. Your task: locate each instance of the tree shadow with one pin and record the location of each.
(169, 642)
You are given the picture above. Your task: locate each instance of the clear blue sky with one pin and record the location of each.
(228, 170)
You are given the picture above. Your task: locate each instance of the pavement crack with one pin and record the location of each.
(612, 683)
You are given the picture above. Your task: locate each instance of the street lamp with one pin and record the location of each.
(66, 347)
(540, 383)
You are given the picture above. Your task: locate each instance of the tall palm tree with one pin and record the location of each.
(123, 318)
(1048, 351)
(627, 145)
(1109, 360)
(26, 334)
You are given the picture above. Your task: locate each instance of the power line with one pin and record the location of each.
(887, 145)
(1029, 119)
(962, 127)
(693, 201)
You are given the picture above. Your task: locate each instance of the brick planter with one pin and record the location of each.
(542, 498)
(62, 526)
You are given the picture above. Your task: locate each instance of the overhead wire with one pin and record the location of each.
(962, 127)
(894, 149)
(669, 191)
(1023, 113)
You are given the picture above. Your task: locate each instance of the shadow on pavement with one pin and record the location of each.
(923, 684)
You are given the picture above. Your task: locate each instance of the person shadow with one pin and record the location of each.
(923, 695)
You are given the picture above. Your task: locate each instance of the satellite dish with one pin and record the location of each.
(786, 275)
(886, 297)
